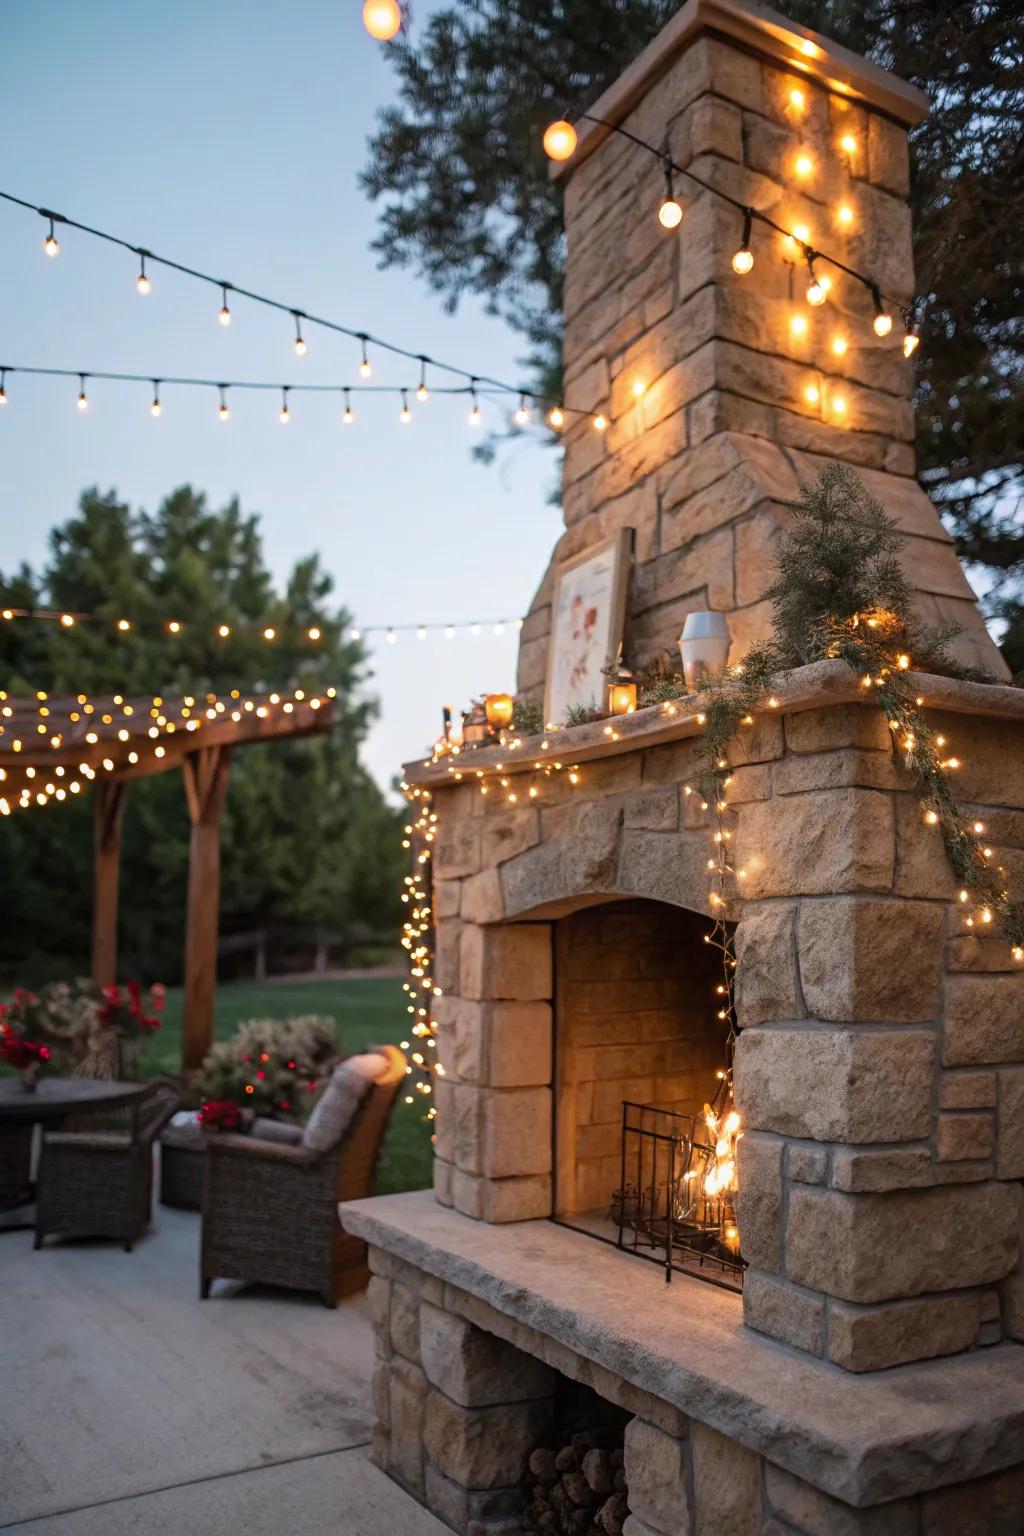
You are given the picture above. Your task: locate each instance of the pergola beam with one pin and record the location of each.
(205, 773)
(108, 816)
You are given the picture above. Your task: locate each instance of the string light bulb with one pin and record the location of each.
(142, 282)
(600, 422)
(474, 418)
(51, 245)
(67, 621)
(155, 408)
(224, 315)
(223, 410)
(839, 345)
(848, 144)
(522, 415)
(382, 19)
(797, 99)
(300, 344)
(405, 415)
(816, 291)
(3, 386)
(882, 323)
(83, 398)
(670, 213)
(560, 140)
(798, 325)
(347, 415)
(743, 259)
(284, 415)
(365, 369)
(844, 215)
(556, 418)
(911, 342)
(422, 392)
(803, 165)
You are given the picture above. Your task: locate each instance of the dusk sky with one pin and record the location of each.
(229, 136)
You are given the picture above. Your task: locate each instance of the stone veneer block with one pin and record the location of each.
(520, 1045)
(830, 729)
(885, 1247)
(866, 959)
(1010, 1148)
(482, 1447)
(726, 1485)
(474, 1368)
(767, 984)
(984, 1020)
(408, 1395)
(864, 1172)
(511, 962)
(967, 1090)
(813, 1513)
(518, 1199)
(962, 1136)
(657, 1472)
(877, 1337)
(517, 1132)
(759, 1198)
(782, 1311)
(836, 1085)
(826, 843)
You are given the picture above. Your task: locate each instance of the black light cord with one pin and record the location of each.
(365, 338)
(749, 213)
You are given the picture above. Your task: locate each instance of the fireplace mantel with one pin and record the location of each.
(863, 1439)
(811, 687)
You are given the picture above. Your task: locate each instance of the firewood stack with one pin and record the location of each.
(579, 1490)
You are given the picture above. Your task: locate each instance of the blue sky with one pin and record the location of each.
(229, 134)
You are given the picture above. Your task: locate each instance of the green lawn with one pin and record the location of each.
(365, 1011)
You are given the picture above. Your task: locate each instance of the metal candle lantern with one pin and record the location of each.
(704, 645)
(621, 698)
(499, 708)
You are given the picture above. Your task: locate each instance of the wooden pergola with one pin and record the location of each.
(59, 747)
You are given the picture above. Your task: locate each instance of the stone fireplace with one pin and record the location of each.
(870, 1379)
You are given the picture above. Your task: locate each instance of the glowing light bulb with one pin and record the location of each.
(839, 346)
(222, 411)
(743, 260)
(844, 215)
(124, 625)
(812, 394)
(405, 415)
(797, 99)
(270, 633)
(848, 144)
(639, 388)
(382, 19)
(910, 344)
(556, 418)
(522, 415)
(67, 620)
(173, 627)
(313, 632)
(803, 165)
(83, 399)
(284, 415)
(600, 422)
(838, 405)
(155, 408)
(223, 631)
(882, 323)
(300, 346)
(224, 314)
(3, 391)
(798, 325)
(670, 214)
(816, 291)
(559, 140)
(51, 245)
(474, 418)
(142, 282)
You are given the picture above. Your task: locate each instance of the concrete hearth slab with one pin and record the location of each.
(864, 1439)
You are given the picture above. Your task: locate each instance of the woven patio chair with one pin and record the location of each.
(270, 1209)
(99, 1183)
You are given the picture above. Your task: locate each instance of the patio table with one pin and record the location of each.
(54, 1098)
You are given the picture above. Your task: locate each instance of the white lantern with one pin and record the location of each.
(704, 646)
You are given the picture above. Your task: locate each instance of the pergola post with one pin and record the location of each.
(205, 774)
(108, 815)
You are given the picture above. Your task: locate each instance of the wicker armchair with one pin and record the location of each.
(99, 1183)
(270, 1210)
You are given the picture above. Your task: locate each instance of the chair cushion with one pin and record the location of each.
(340, 1100)
(281, 1131)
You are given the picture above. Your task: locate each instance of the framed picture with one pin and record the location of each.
(587, 620)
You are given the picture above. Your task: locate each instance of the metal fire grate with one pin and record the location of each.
(661, 1209)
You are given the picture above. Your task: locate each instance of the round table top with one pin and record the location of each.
(57, 1096)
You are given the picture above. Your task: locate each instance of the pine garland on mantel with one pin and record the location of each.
(841, 594)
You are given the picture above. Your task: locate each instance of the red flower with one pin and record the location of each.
(220, 1115)
(112, 994)
(149, 1021)
(23, 1053)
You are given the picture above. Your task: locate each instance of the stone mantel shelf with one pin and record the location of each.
(810, 687)
(863, 1438)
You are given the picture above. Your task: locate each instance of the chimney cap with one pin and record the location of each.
(761, 30)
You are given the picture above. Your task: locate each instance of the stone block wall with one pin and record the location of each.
(463, 1393)
(737, 411)
(880, 1072)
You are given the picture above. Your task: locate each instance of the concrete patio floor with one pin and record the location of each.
(127, 1406)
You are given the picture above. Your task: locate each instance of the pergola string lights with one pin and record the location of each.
(53, 748)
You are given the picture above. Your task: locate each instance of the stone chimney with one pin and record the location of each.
(719, 408)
